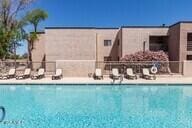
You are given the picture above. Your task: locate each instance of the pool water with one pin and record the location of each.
(96, 106)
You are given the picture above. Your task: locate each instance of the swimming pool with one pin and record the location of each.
(96, 106)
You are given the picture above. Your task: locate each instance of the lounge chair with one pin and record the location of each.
(58, 75)
(130, 75)
(10, 75)
(39, 75)
(147, 75)
(98, 74)
(115, 74)
(25, 75)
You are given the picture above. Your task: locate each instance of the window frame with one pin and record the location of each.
(188, 36)
(189, 41)
(107, 43)
(189, 57)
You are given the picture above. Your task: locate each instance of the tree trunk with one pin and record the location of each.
(30, 55)
(15, 54)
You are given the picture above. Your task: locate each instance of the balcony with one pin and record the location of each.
(158, 43)
(189, 46)
(158, 47)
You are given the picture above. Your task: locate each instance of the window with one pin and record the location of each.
(107, 42)
(189, 42)
(189, 57)
(107, 58)
(158, 43)
(189, 37)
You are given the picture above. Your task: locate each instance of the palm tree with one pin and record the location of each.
(34, 18)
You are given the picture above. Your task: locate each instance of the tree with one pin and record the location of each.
(34, 18)
(3, 44)
(11, 25)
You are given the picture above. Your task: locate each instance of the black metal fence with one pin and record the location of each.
(49, 67)
(171, 67)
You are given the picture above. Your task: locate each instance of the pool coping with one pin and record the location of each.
(87, 81)
(97, 84)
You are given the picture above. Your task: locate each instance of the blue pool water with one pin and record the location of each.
(96, 106)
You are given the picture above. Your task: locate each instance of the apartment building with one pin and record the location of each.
(77, 49)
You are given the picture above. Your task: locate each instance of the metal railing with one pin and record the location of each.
(171, 67)
(157, 47)
(189, 46)
(49, 67)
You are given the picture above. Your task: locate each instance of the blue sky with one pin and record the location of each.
(113, 13)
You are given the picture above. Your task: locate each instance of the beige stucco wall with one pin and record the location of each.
(73, 50)
(174, 49)
(74, 68)
(107, 34)
(70, 44)
(187, 68)
(134, 38)
(77, 50)
(178, 45)
(38, 53)
(120, 47)
(174, 43)
(185, 29)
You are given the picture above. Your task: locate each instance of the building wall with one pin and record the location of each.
(70, 44)
(174, 43)
(74, 68)
(120, 47)
(77, 50)
(187, 66)
(178, 46)
(38, 53)
(174, 48)
(133, 38)
(185, 29)
(102, 51)
(73, 50)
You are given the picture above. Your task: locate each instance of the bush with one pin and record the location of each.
(146, 56)
(148, 59)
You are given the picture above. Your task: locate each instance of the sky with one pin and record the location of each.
(112, 13)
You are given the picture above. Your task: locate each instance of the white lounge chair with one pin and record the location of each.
(25, 75)
(115, 74)
(39, 75)
(10, 75)
(58, 74)
(98, 74)
(129, 74)
(147, 75)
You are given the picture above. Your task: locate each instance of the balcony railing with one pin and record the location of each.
(189, 46)
(158, 47)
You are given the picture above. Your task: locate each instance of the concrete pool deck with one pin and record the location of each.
(84, 80)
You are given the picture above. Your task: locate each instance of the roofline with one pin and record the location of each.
(180, 22)
(145, 27)
(106, 27)
(53, 27)
(81, 28)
